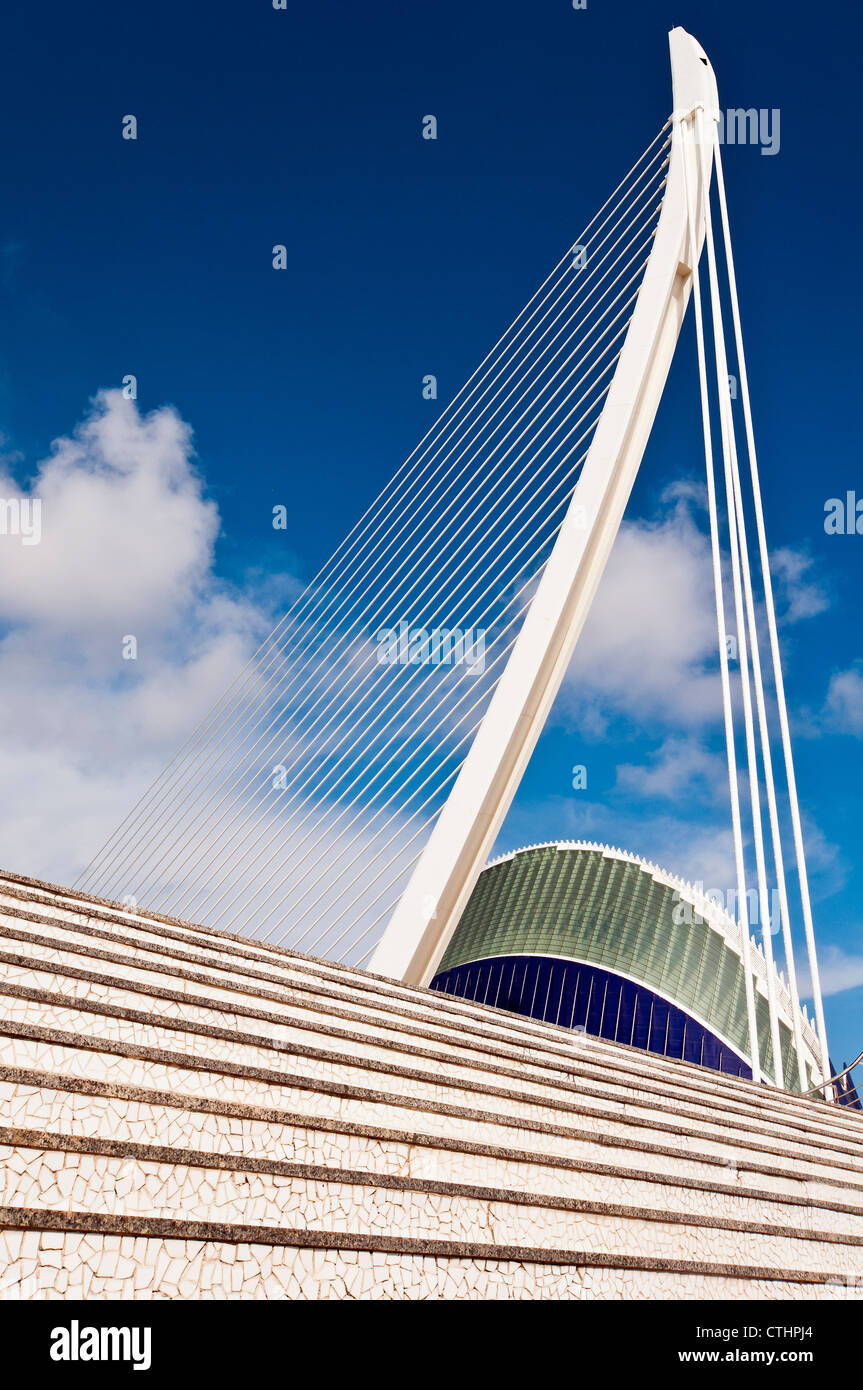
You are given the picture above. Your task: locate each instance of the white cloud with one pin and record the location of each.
(691, 850)
(843, 706)
(838, 970)
(675, 769)
(842, 709)
(797, 594)
(127, 548)
(648, 648)
(127, 536)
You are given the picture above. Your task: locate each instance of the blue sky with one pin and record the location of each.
(407, 257)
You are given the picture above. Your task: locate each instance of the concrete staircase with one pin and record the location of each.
(185, 1113)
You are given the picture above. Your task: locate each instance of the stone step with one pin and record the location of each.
(163, 1184)
(141, 1259)
(574, 1077)
(362, 981)
(86, 1058)
(451, 1131)
(828, 1116)
(140, 979)
(128, 1120)
(65, 902)
(178, 1104)
(366, 1066)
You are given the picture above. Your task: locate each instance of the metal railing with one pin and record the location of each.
(843, 1091)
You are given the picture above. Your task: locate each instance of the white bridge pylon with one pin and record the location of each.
(422, 924)
(465, 830)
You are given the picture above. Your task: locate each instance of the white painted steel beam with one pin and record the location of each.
(444, 877)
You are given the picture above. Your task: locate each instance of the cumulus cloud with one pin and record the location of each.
(126, 550)
(648, 652)
(673, 770)
(798, 594)
(838, 970)
(648, 649)
(670, 839)
(843, 706)
(127, 536)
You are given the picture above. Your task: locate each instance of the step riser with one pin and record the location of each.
(161, 1140)
(104, 1267)
(89, 1117)
(163, 1191)
(177, 935)
(479, 1130)
(397, 1053)
(677, 1092)
(591, 1115)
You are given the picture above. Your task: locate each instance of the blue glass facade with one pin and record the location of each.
(574, 994)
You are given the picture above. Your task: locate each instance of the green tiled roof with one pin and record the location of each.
(585, 905)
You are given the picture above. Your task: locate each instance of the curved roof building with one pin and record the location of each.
(599, 940)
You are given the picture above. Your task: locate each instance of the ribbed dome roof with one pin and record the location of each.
(596, 903)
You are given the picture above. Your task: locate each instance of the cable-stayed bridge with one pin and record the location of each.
(343, 795)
